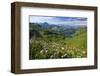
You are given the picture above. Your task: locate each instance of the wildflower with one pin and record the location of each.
(77, 49)
(51, 56)
(65, 55)
(46, 50)
(62, 56)
(41, 51)
(84, 52)
(62, 48)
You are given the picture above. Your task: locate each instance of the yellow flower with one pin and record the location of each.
(84, 52)
(62, 48)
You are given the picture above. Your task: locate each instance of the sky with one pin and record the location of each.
(80, 21)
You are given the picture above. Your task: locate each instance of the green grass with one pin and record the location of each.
(54, 46)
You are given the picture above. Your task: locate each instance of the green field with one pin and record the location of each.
(57, 42)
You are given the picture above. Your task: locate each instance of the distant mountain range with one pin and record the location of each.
(65, 30)
(47, 25)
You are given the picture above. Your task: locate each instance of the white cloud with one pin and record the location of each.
(53, 20)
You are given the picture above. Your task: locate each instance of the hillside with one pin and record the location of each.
(57, 41)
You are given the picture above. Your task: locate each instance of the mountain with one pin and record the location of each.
(60, 29)
(48, 25)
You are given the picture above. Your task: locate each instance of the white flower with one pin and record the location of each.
(62, 48)
(41, 51)
(51, 56)
(84, 52)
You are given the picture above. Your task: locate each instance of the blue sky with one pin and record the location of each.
(81, 21)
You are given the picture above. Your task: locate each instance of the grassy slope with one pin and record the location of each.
(78, 45)
(54, 46)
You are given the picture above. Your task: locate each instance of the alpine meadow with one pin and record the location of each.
(57, 37)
